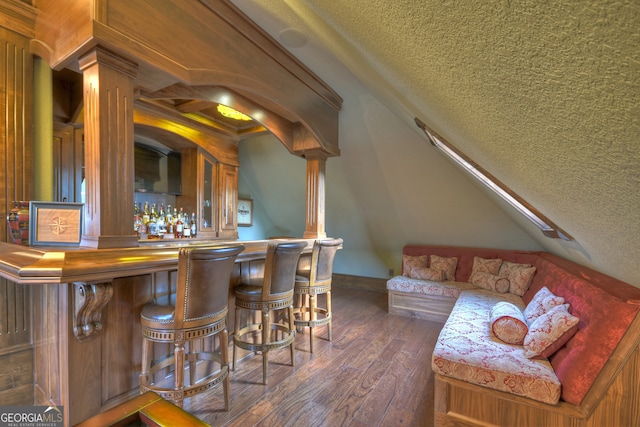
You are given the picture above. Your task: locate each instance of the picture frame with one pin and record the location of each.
(245, 212)
(55, 223)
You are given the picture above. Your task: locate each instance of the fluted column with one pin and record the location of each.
(109, 150)
(315, 220)
(42, 131)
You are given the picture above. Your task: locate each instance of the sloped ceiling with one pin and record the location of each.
(545, 96)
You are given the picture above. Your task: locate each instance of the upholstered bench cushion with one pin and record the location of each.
(467, 350)
(427, 287)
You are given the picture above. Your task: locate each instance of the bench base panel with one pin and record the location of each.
(458, 403)
(427, 307)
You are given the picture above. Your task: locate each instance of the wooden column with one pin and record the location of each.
(108, 146)
(314, 228)
(43, 131)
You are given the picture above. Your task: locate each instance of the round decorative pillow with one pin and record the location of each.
(508, 323)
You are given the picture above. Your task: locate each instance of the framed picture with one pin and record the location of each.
(245, 212)
(55, 224)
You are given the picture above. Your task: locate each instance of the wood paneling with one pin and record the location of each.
(16, 134)
(16, 158)
(16, 378)
(14, 316)
(49, 338)
(68, 163)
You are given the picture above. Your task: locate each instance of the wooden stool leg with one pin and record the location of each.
(146, 364)
(312, 317)
(266, 334)
(193, 360)
(236, 330)
(292, 330)
(328, 294)
(224, 350)
(178, 373)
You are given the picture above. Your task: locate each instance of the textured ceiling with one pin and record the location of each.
(544, 95)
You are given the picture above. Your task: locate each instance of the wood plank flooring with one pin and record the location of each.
(375, 372)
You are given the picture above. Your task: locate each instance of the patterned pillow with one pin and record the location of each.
(490, 282)
(519, 275)
(446, 265)
(508, 323)
(424, 273)
(543, 301)
(549, 332)
(409, 262)
(482, 265)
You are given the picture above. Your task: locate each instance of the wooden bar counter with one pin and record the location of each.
(86, 307)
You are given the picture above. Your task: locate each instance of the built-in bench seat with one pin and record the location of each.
(592, 380)
(425, 299)
(466, 350)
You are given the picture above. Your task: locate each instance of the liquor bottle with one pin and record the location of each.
(194, 225)
(162, 226)
(152, 225)
(169, 221)
(145, 213)
(136, 220)
(186, 227)
(169, 218)
(178, 227)
(142, 227)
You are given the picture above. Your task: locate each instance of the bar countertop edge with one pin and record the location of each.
(50, 265)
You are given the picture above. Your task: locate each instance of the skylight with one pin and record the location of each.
(547, 227)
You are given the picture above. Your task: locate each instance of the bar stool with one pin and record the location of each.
(314, 282)
(199, 310)
(271, 293)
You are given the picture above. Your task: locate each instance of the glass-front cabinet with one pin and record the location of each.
(217, 191)
(208, 185)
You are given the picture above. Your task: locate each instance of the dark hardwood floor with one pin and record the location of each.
(375, 372)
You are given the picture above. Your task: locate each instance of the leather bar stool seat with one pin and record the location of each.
(272, 293)
(197, 310)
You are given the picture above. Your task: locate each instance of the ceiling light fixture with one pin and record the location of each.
(232, 114)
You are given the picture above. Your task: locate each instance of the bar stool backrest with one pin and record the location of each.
(203, 284)
(326, 252)
(280, 269)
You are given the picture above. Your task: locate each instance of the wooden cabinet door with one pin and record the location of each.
(68, 163)
(228, 196)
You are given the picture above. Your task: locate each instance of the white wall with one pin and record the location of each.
(543, 96)
(388, 188)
